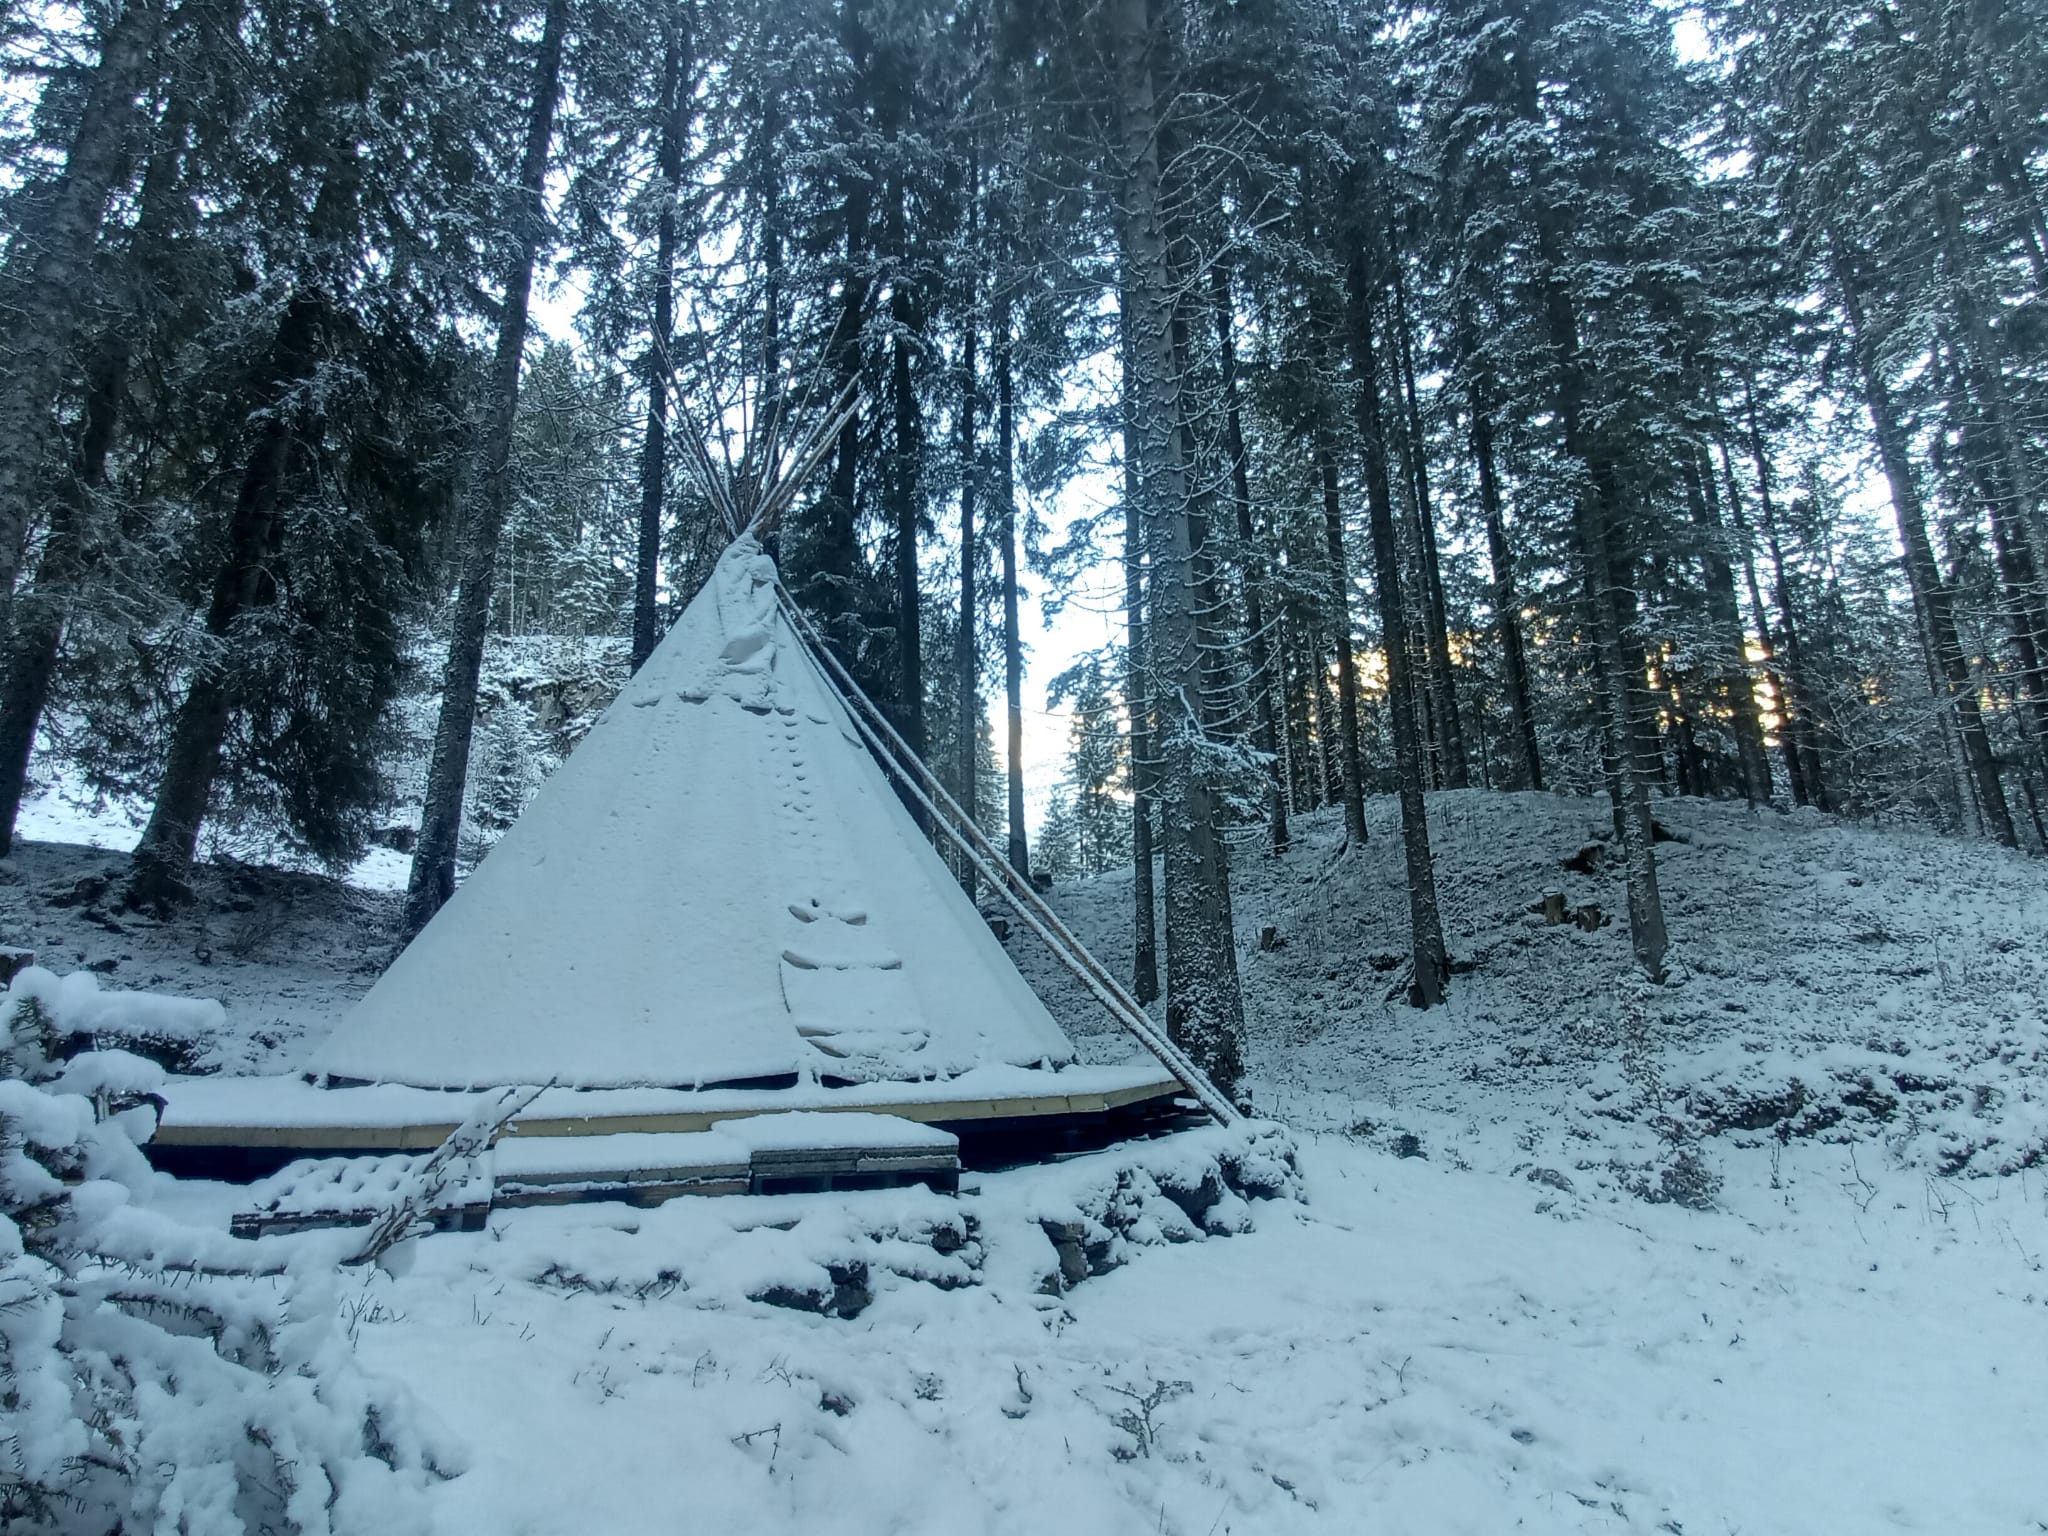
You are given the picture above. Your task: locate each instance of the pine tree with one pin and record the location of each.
(484, 512)
(49, 254)
(1204, 1006)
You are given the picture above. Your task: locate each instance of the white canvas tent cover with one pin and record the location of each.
(718, 886)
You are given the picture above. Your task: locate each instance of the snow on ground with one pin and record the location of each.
(1412, 1349)
(287, 953)
(1761, 1250)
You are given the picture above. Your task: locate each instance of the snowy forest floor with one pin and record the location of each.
(1759, 1250)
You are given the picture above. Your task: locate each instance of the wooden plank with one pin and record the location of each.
(650, 1193)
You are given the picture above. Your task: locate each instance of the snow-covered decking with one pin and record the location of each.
(290, 1112)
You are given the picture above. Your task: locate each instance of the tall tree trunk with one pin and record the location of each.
(1596, 527)
(1350, 765)
(966, 638)
(1204, 1004)
(829, 553)
(1013, 637)
(1981, 357)
(1724, 610)
(49, 261)
(1443, 682)
(433, 864)
(1266, 733)
(68, 554)
(906, 311)
(1432, 970)
(1800, 722)
(162, 866)
(1767, 639)
(2025, 609)
(660, 343)
(1506, 605)
(1215, 703)
(1329, 754)
(1930, 596)
(1303, 783)
(73, 548)
(769, 192)
(2026, 615)
(1138, 697)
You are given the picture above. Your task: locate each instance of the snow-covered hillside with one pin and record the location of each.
(1764, 1249)
(1828, 983)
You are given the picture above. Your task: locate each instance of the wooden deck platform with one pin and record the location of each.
(245, 1128)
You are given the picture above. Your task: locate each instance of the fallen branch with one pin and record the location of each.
(414, 1206)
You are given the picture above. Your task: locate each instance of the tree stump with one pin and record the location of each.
(1553, 908)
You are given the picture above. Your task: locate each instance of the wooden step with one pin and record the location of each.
(353, 1192)
(760, 1154)
(800, 1149)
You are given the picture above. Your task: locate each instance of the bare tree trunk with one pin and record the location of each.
(966, 639)
(1294, 712)
(1621, 674)
(1431, 968)
(1137, 664)
(827, 555)
(50, 259)
(433, 864)
(1595, 521)
(2026, 617)
(1767, 640)
(1329, 777)
(1215, 701)
(1725, 610)
(1801, 727)
(1351, 766)
(1013, 638)
(1443, 681)
(770, 194)
(67, 556)
(1507, 617)
(73, 550)
(162, 867)
(1266, 735)
(661, 342)
(906, 311)
(1931, 597)
(1204, 1005)
(1981, 358)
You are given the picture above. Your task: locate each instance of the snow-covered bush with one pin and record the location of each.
(155, 1376)
(46, 1017)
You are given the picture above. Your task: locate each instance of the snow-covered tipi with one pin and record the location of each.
(718, 887)
(716, 908)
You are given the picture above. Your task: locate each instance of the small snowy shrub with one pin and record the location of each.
(155, 1376)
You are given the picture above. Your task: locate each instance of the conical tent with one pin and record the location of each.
(718, 887)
